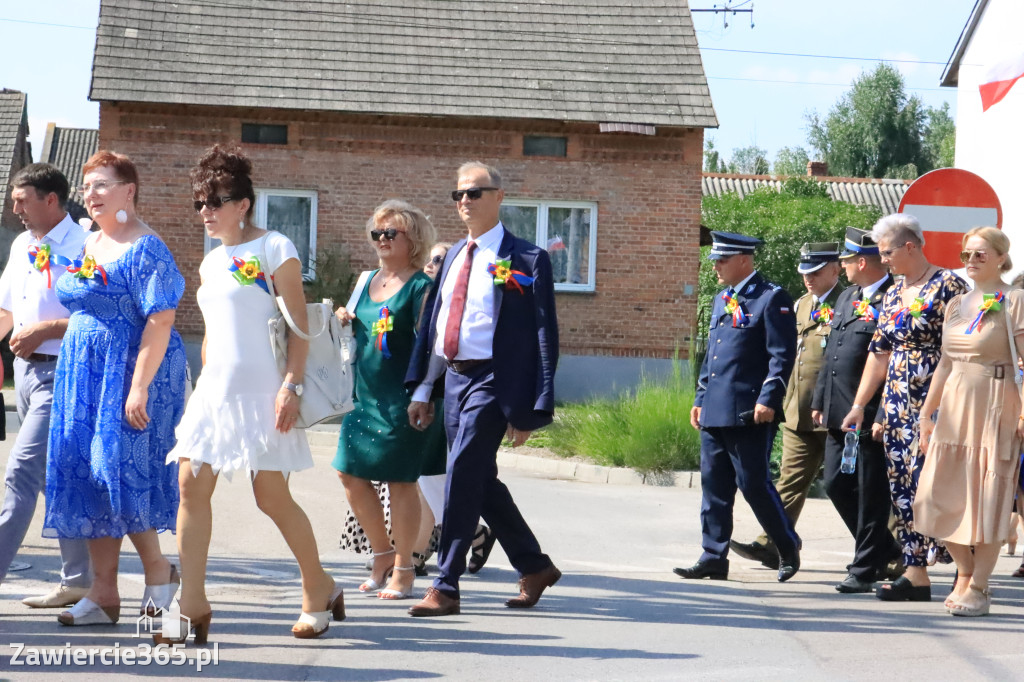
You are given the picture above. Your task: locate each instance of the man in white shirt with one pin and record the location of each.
(29, 307)
(491, 331)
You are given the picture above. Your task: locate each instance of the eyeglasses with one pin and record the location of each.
(473, 193)
(390, 234)
(213, 202)
(888, 252)
(967, 256)
(100, 187)
(437, 260)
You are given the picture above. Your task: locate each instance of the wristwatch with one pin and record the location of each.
(294, 388)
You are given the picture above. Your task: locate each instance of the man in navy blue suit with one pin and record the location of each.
(751, 348)
(489, 342)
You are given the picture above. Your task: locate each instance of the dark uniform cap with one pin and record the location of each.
(725, 244)
(816, 255)
(858, 243)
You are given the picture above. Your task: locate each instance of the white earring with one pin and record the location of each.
(241, 224)
(121, 216)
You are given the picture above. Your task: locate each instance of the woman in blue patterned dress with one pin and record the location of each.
(118, 395)
(905, 352)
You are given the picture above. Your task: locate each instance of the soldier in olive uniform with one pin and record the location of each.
(803, 443)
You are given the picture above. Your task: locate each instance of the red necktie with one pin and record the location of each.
(458, 306)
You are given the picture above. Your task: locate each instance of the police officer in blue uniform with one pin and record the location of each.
(751, 350)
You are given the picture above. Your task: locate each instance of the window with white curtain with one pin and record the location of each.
(566, 229)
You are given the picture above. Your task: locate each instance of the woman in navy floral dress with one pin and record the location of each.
(904, 354)
(118, 395)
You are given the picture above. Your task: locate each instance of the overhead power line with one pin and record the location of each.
(822, 56)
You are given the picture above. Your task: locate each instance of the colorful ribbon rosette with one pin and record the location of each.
(505, 276)
(87, 269)
(248, 272)
(913, 310)
(864, 310)
(823, 314)
(42, 258)
(384, 324)
(988, 302)
(733, 307)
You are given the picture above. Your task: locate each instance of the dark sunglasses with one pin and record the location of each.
(967, 256)
(390, 234)
(473, 193)
(437, 260)
(213, 202)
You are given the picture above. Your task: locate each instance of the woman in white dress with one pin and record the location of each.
(241, 415)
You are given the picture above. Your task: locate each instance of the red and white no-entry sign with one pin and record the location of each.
(948, 202)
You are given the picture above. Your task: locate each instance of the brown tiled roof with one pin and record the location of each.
(611, 61)
(884, 194)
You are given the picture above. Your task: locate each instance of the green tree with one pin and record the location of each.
(801, 212)
(940, 137)
(874, 131)
(713, 162)
(791, 161)
(750, 160)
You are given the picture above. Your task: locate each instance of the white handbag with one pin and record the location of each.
(329, 377)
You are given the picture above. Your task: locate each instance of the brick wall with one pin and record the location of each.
(647, 190)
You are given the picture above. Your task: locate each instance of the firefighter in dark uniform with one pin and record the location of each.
(751, 349)
(803, 442)
(861, 498)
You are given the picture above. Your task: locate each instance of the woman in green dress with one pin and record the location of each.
(377, 443)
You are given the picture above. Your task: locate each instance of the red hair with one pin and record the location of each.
(123, 167)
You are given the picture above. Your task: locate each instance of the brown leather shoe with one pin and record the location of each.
(435, 603)
(532, 585)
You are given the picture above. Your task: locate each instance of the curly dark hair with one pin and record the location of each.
(224, 168)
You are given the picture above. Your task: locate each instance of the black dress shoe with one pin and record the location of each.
(755, 551)
(715, 569)
(788, 565)
(851, 584)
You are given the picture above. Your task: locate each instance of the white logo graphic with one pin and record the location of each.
(169, 624)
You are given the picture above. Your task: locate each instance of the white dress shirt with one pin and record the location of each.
(869, 291)
(23, 289)
(479, 317)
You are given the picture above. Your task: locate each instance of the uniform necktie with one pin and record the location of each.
(458, 306)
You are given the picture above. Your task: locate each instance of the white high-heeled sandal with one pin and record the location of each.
(371, 586)
(389, 593)
(320, 621)
(160, 597)
(88, 612)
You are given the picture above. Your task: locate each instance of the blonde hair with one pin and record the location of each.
(996, 238)
(418, 228)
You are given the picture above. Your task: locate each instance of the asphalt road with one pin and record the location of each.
(618, 613)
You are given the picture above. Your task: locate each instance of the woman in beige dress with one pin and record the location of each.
(973, 443)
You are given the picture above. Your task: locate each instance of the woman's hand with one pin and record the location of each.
(343, 315)
(924, 437)
(1020, 428)
(135, 407)
(287, 409)
(877, 431)
(853, 419)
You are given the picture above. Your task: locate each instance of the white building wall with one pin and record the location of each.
(991, 143)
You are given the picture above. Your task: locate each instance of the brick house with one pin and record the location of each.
(594, 112)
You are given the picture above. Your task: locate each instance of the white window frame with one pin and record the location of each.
(543, 206)
(260, 219)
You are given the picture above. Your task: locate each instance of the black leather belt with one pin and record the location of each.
(463, 366)
(41, 357)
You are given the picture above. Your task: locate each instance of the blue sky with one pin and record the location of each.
(760, 99)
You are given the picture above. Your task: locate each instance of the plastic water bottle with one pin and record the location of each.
(851, 449)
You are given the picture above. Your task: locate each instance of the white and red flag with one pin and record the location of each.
(999, 78)
(555, 244)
